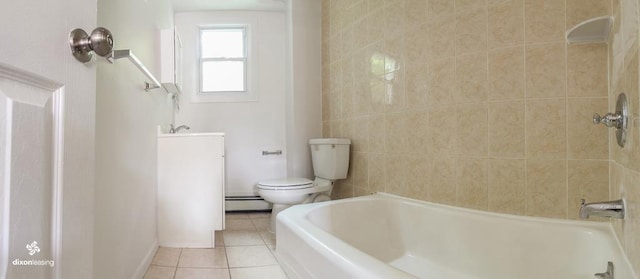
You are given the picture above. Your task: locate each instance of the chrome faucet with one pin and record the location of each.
(175, 130)
(608, 274)
(613, 209)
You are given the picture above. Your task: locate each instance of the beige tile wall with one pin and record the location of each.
(625, 162)
(482, 104)
(476, 103)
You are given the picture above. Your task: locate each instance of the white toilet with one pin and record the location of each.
(330, 159)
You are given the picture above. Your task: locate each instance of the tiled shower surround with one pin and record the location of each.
(482, 104)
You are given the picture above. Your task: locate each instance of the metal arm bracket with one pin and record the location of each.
(126, 53)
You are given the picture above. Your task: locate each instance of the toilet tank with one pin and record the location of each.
(330, 157)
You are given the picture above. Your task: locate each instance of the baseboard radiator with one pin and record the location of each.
(246, 203)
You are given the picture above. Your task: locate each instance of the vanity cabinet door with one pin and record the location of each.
(190, 190)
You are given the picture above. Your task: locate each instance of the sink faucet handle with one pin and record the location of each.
(582, 202)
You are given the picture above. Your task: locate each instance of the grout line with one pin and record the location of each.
(245, 267)
(200, 267)
(566, 111)
(488, 144)
(226, 254)
(525, 118)
(455, 105)
(175, 270)
(609, 67)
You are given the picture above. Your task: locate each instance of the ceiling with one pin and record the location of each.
(205, 5)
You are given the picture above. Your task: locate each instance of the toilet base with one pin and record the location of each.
(277, 208)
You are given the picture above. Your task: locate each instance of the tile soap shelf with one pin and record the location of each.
(595, 30)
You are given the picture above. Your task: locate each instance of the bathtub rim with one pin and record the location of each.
(383, 195)
(296, 219)
(317, 239)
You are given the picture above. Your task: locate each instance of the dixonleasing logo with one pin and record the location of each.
(33, 249)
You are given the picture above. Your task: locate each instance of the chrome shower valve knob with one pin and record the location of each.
(609, 120)
(618, 119)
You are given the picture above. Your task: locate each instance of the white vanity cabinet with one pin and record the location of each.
(191, 190)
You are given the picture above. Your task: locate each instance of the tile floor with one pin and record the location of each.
(245, 249)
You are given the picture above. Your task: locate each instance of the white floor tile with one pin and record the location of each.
(245, 246)
(259, 215)
(159, 272)
(206, 258)
(250, 256)
(233, 216)
(239, 225)
(202, 273)
(272, 248)
(269, 238)
(261, 224)
(167, 257)
(219, 239)
(242, 238)
(262, 272)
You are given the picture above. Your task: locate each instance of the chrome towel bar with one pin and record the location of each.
(126, 53)
(100, 42)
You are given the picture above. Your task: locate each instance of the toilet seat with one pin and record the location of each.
(292, 183)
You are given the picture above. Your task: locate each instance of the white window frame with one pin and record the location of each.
(250, 94)
(221, 59)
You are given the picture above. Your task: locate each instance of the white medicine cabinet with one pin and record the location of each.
(171, 60)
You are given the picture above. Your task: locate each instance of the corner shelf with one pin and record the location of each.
(595, 30)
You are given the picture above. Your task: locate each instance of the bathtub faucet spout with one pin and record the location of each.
(613, 209)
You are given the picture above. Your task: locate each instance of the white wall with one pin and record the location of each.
(126, 177)
(250, 127)
(304, 89)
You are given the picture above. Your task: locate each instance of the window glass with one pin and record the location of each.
(223, 43)
(223, 76)
(223, 61)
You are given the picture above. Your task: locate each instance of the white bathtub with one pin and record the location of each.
(386, 236)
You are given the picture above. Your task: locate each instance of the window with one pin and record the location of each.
(223, 60)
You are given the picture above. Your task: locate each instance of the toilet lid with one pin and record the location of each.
(286, 183)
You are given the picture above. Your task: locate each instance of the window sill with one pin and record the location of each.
(224, 97)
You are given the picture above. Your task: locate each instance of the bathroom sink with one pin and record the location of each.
(184, 134)
(190, 134)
